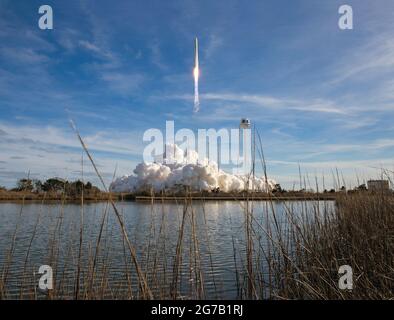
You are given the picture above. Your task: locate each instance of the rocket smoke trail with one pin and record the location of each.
(196, 72)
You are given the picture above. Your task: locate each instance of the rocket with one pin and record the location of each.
(196, 70)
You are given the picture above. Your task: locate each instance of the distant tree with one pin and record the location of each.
(277, 188)
(216, 190)
(343, 188)
(78, 187)
(54, 184)
(24, 185)
(3, 188)
(362, 187)
(73, 189)
(332, 191)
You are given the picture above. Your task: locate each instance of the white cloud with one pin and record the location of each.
(256, 103)
(23, 55)
(95, 49)
(214, 43)
(375, 57)
(156, 55)
(49, 151)
(384, 163)
(122, 143)
(123, 83)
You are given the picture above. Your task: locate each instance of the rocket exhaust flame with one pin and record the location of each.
(196, 73)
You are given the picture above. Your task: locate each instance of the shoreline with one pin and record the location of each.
(26, 197)
(22, 197)
(249, 197)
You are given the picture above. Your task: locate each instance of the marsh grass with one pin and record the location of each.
(294, 254)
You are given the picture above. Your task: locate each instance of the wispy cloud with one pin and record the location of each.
(374, 57)
(120, 143)
(49, 151)
(372, 164)
(156, 55)
(214, 43)
(316, 105)
(95, 49)
(122, 83)
(24, 56)
(265, 101)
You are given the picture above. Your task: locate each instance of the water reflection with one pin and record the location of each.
(213, 242)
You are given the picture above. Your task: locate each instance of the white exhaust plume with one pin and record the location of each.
(196, 73)
(182, 168)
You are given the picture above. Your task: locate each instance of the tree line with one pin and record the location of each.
(55, 185)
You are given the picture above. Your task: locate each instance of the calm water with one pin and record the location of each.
(216, 251)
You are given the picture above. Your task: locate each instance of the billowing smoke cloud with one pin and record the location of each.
(177, 169)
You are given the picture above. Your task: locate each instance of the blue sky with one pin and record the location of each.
(321, 97)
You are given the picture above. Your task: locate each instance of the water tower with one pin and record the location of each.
(244, 124)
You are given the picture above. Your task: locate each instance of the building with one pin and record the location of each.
(378, 185)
